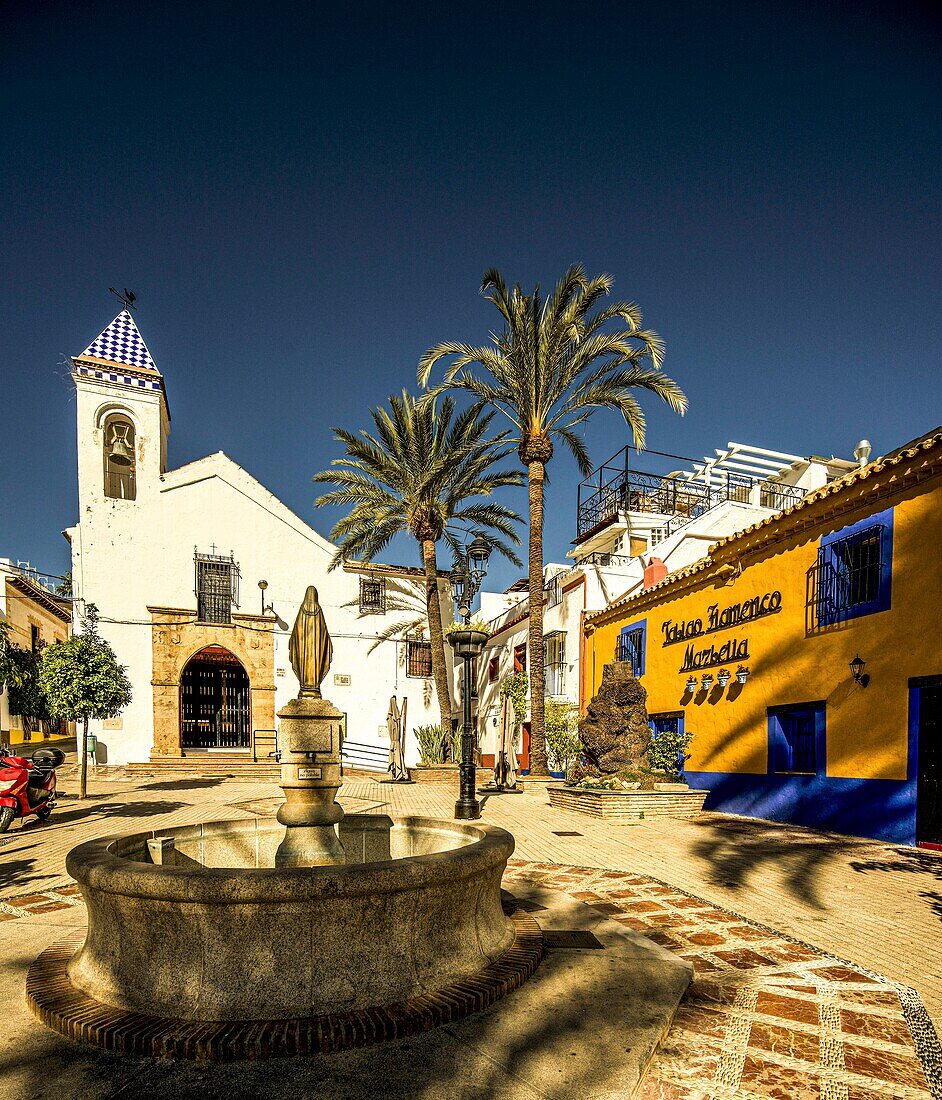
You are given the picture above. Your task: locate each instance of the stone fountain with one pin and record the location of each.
(309, 932)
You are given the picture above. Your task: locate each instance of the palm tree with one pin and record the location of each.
(424, 470)
(551, 366)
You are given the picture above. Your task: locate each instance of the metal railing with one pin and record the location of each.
(845, 577)
(678, 497)
(261, 738)
(371, 758)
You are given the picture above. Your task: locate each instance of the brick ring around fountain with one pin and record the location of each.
(223, 955)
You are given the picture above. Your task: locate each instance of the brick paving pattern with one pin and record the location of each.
(765, 1017)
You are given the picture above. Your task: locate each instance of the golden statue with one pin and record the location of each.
(310, 649)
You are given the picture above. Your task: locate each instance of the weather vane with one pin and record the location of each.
(128, 298)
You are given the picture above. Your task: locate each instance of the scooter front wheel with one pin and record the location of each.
(7, 813)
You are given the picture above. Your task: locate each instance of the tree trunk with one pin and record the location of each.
(433, 609)
(536, 474)
(83, 761)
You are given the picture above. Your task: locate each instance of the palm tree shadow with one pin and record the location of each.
(738, 851)
(910, 861)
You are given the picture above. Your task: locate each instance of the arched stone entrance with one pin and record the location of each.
(247, 643)
(215, 701)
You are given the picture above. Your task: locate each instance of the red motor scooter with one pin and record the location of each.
(27, 786)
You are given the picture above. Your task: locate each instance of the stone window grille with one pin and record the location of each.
(216, 586)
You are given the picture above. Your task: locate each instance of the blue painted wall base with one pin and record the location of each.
(881, 809)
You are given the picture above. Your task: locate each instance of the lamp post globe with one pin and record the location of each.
(478, 553)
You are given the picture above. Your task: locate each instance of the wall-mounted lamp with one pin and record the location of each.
(742, 674)
(707, 682)
(692, 684)
(282, 625)
(857, 666)
(723, 677)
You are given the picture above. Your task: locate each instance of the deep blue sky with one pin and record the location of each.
(304, 198)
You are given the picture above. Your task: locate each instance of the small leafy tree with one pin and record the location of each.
(82, 679)
(562, 734)
(19, 674)
(668, 752)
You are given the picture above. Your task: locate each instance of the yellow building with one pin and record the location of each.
(805, 656)
(35, 617)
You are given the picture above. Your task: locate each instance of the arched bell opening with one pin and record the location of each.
(119, 457)
(215, 701)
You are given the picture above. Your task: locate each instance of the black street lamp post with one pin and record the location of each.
(466, 577)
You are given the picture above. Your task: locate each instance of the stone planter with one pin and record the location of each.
(627, 806)
(467, 643)
(434, 773)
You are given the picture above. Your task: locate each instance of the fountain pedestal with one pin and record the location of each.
(310, 777)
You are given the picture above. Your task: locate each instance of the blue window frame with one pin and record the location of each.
(855, 570)
(797, 739)
(631, 645)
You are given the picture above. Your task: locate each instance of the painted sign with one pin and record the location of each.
(756, 608)
(309, 773)
(736, 649)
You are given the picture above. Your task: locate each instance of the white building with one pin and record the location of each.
(632, 529)
(173, 560)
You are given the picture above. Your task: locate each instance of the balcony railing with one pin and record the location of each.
(678, 497)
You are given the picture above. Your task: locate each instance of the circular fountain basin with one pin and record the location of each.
(411, 925)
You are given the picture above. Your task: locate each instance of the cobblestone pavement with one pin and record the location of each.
(775, 1009)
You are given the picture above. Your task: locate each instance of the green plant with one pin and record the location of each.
(81, 679)
(563, 746)
(473, 624)
(19, 674)
(455, 746)
(515, 687)
(667, 753)
(552, 363)
(424, 468)
(432, 741)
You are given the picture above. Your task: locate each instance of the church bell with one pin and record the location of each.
(120, 454)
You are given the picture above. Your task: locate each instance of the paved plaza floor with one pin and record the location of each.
(806, 947)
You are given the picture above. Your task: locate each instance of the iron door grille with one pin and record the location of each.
(215, 707)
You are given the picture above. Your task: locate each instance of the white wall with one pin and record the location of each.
(128, 555)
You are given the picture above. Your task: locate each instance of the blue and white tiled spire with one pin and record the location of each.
(121, 343)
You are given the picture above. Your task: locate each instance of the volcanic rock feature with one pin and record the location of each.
(615, 732)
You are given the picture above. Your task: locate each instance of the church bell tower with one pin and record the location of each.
(123, 420)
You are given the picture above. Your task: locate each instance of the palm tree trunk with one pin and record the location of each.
(536, 474)
(433, 609)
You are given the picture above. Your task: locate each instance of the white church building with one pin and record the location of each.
(184, 566)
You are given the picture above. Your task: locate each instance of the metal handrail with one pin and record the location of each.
(273, 739)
